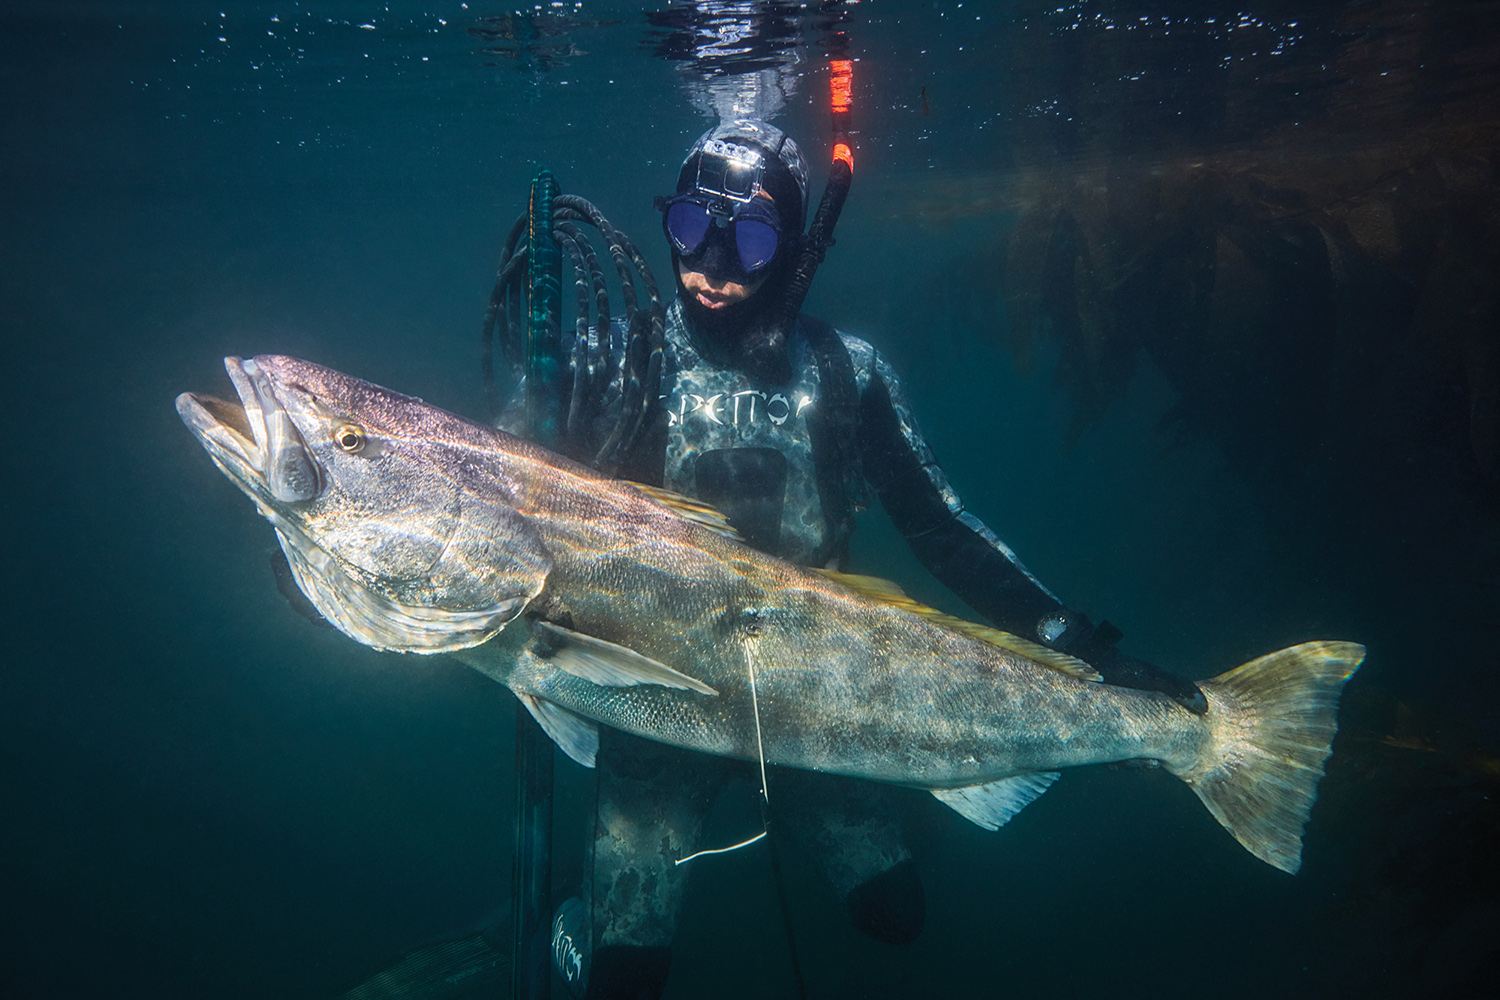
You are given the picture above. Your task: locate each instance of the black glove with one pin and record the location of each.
(1073, 633)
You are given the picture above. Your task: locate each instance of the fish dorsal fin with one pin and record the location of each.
(877, 587)
(1034, 651)
(884, 590)
(993, 804)
(689, 509)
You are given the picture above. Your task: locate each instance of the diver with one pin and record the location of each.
(786, 427)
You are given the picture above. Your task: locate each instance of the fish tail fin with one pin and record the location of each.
(1271, 723)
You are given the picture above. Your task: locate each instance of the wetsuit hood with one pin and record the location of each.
(748, 335)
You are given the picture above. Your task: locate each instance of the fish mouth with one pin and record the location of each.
(255, 441)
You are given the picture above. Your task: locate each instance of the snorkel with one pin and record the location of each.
(840, 175)
(768, 351)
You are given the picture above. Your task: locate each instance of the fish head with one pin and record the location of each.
(398, 524)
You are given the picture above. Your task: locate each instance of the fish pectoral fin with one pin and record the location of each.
(577, 736)
(610, 664)
(992, 805)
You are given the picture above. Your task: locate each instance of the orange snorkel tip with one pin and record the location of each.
(841, 96)
(840, 174)
(840, 102)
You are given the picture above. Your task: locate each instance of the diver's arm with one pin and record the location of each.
(954, 545)
(958, 549)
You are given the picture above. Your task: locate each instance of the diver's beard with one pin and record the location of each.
(746, 336)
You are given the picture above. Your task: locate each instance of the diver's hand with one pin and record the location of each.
(1074, 634)
(1130, 671)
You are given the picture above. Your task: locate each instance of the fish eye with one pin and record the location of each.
(350, 438)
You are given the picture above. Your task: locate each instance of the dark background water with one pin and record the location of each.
(1197, 307)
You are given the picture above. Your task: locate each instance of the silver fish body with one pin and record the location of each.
(599, 601)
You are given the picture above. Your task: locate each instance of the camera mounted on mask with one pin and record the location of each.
(727, 224)
(731, 172)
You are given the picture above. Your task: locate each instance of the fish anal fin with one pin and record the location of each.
(610, 664)
(575, 736)
(878, 589)
(992, 805)
(689, 509)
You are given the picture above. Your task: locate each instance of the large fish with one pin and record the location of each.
(601, 601)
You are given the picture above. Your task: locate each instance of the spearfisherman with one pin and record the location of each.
(785, 427)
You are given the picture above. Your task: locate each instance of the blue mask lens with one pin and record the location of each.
(756, 242)
(687, 225)
(753, 231)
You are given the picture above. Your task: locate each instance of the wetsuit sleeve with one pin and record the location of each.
(959, 550)
(954, 545)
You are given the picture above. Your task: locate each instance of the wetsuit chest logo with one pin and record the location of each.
(738, 409)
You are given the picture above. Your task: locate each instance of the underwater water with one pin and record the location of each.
(1196, 304)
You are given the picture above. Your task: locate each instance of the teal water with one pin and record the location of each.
(206, 796)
